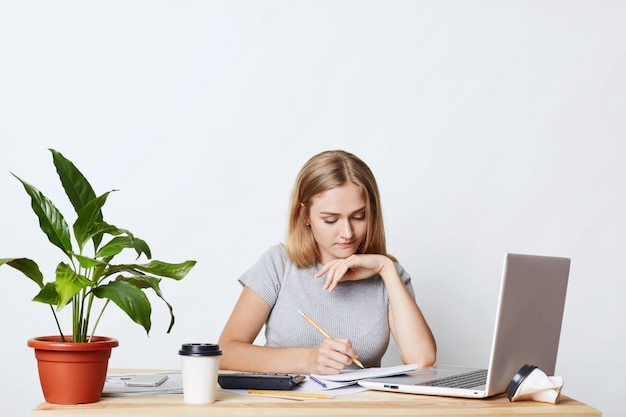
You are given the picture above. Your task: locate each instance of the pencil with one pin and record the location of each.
(322, 331)
(289, 394)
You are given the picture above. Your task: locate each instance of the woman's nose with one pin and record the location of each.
(347, 230)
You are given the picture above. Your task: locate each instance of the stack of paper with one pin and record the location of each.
(349, 377)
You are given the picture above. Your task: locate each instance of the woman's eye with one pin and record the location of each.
(330, 221)
(361, 217)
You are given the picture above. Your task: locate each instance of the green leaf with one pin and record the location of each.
(51, 220)
(144, 281)
(100, 228)
(119, 243)
(68, 283)
(89, 216)
(87, 262)
(129, 298)
(48, 294)
(27, 267)
(114, 247)
(76, 186)
(141, 246)
(159, 268)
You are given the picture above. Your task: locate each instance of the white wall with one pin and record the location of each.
(492, 127)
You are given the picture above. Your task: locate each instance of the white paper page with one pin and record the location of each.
(358, 374)
(337, 387)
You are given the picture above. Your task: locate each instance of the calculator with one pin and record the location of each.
(267, 381)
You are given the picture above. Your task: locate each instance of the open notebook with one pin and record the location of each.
(354, 375)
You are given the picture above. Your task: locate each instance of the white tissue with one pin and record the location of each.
(539, 387)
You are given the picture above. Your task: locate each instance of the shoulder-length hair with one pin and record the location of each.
(326, 170)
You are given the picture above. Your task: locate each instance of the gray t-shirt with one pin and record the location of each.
(356, 310)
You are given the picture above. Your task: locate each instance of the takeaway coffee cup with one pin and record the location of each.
(200, 363)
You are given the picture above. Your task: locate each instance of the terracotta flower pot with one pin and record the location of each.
(72, 373)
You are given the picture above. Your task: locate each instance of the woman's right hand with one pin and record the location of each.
(331, 356)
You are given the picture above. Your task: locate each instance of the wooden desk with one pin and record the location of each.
(367, 403)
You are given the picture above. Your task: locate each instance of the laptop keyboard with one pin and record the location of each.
(467, 380)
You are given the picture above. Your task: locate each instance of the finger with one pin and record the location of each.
(323, 364)
(345, 347)
(322, 271)
(340, 350)
(326, 370)
(335, 360)
(334, 276)
(331, 283)
(329, 278)
(328, 283)
(330, 361)
(327, 269)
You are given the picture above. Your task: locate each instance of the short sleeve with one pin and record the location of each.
(406, 279)
(264, 277)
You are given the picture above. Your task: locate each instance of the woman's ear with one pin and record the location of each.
(304, 215)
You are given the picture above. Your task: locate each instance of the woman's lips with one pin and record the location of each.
(346, 244)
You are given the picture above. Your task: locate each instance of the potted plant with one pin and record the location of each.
(86, 278)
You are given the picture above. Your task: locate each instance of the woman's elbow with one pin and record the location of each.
(423, 358)
(228, 357)
(427, 359)
(430, 355)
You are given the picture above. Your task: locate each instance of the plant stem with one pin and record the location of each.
(85, 328)
(98, 320)
(58, 325)
(76, 321)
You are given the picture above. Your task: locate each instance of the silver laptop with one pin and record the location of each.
(528, 328)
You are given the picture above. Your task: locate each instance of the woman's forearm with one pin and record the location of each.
(412, 335)
(243, 356)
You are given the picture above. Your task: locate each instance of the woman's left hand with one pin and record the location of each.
(353, 268)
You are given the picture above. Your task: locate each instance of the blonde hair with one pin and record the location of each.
(326, 170)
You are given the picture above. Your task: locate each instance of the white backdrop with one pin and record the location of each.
(491, 126)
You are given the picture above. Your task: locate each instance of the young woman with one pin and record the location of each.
(334, 267)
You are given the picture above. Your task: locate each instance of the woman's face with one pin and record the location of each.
(337, 220)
